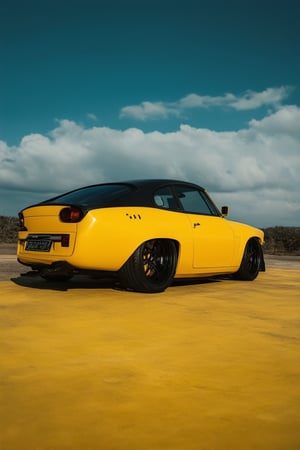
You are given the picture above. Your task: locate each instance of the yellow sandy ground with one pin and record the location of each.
(208, 366)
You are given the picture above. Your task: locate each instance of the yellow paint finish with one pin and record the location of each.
(45, 220)
(213, 242)
(208, 366)
(107, 237)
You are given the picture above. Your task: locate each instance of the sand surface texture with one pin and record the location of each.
(213, 365)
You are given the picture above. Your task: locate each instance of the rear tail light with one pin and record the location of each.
(71, 214)
(65, 240)
(21, 221)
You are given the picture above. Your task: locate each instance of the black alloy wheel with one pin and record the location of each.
(151, 268)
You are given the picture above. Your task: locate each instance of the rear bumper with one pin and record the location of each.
(42, 248)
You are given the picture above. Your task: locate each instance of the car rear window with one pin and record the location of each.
(93, 196)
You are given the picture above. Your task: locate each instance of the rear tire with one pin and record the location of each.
(151, 268)
(251, 262)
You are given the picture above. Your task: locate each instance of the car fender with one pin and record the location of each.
(102, 233)
(243, 234)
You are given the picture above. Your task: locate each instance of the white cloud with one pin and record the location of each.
(92, 117)
(285, 122)
(272, 97)
(205, 101)
(254, 100)
(148, 110)
(255, 170)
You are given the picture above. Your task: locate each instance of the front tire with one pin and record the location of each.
(151, 268)
(251, 262)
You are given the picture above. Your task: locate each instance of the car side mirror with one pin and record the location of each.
(225, 211)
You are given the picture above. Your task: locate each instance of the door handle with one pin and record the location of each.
(196, 224)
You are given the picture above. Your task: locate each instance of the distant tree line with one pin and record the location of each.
(9, 227)
(282, 241)
(278, 240)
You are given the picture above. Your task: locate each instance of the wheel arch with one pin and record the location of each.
(176, 242)
(259, 240)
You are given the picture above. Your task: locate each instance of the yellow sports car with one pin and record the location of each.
(147, 232)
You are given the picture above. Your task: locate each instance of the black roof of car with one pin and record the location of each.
(143, 195)
(157, 182)
(126, 193)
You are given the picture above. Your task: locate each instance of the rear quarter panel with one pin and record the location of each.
(107, 237)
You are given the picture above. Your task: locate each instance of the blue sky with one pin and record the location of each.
(207, 91)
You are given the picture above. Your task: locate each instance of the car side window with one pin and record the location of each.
(193, 200)
(164, 198)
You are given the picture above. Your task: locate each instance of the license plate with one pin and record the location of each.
(38, 245)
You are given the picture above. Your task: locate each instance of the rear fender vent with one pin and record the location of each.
(134, 216)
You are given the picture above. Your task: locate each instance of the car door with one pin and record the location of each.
(213, 238)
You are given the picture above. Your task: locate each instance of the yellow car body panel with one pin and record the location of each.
(107, 237)
(146, 231)
(45, 220)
